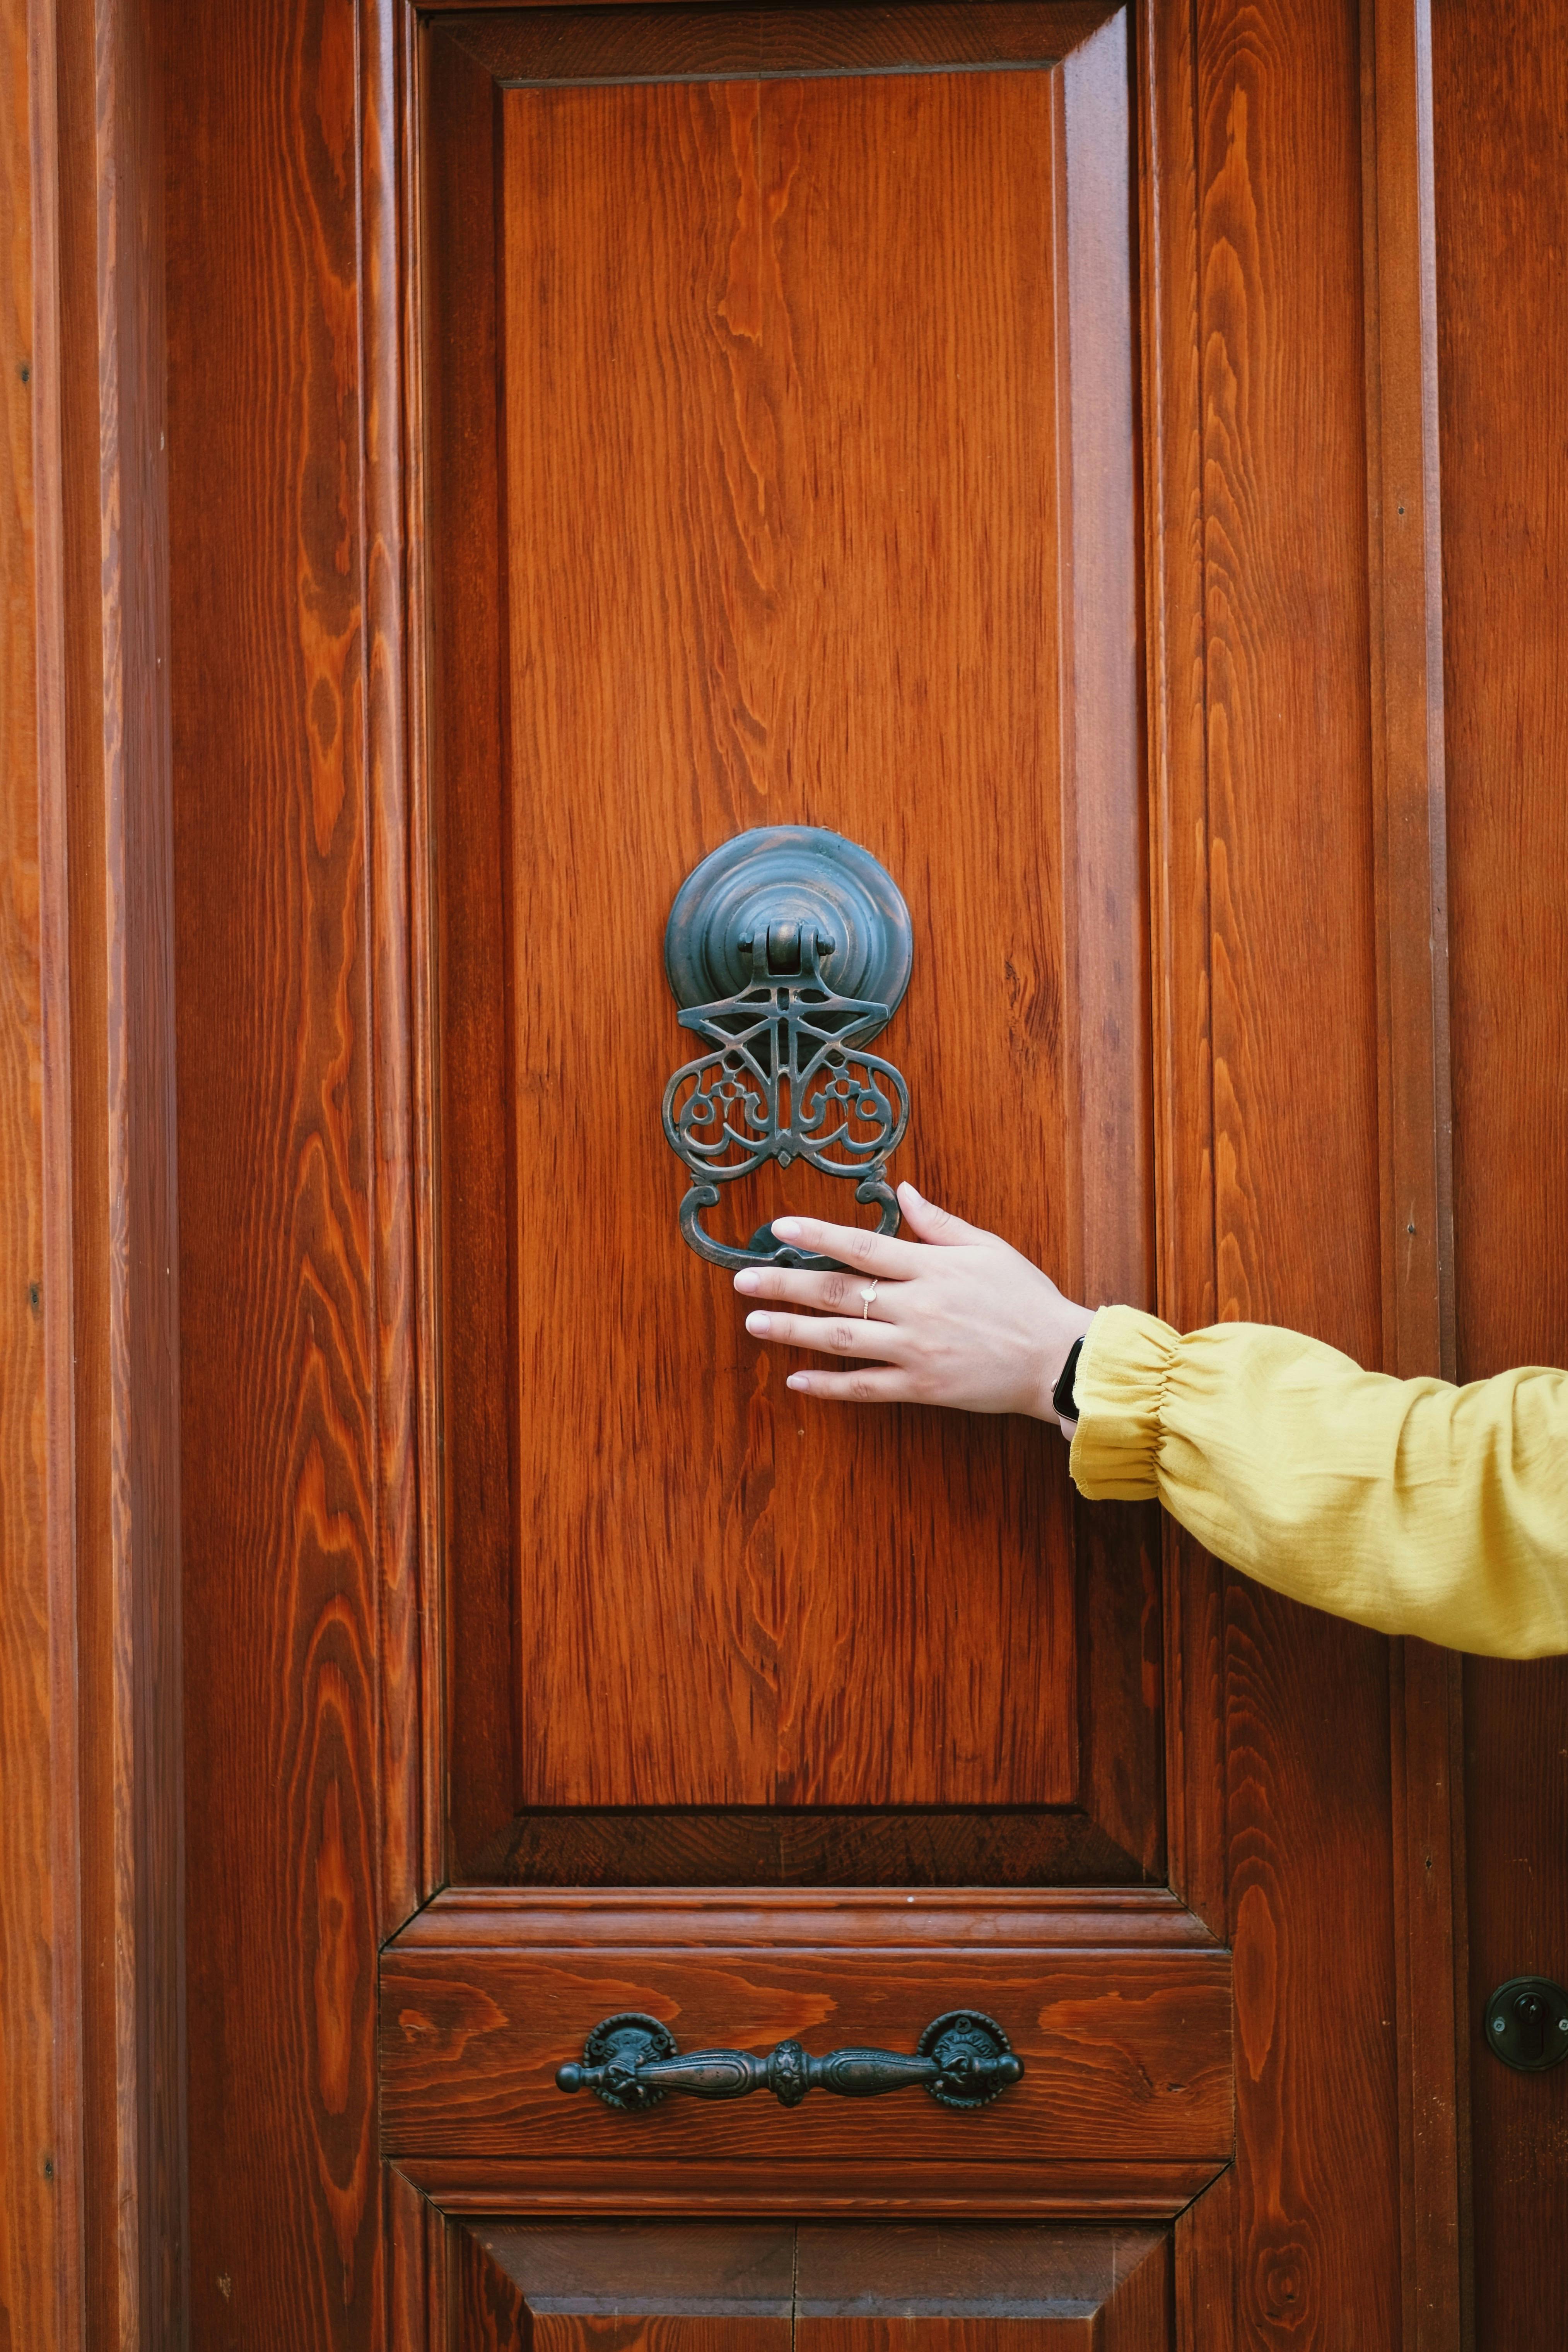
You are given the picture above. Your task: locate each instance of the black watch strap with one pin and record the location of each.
(1063, 1396)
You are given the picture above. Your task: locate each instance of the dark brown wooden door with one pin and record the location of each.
(783, 464)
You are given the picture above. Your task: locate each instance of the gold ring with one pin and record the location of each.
(867, 1296)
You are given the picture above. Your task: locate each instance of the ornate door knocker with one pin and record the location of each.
(787, 1076)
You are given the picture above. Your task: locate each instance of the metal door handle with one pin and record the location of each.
(963, 2060)
(788, 1076)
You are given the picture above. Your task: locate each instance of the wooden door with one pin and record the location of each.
(783, 469)
(595, 433)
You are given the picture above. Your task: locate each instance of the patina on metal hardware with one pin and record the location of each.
(788, 1076)
(963, 2060)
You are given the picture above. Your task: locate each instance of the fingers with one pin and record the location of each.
(833, 1292)
(933, 1224)
(872, 1384)
(857, 1246)
(830, 1335)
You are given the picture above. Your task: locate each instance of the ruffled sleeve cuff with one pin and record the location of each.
(1121, 1391)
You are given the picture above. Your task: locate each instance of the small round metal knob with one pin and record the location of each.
(1527, 2024)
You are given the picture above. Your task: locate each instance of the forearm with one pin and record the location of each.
(1408, 1506)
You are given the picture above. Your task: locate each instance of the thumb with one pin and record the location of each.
(929, 1223)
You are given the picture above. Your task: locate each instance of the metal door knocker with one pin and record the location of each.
(788, 949)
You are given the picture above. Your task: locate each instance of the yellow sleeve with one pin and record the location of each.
(1406, 1505)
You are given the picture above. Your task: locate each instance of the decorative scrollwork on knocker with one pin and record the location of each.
(787, 1076)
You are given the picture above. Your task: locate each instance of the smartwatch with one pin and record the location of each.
(1063, 1397)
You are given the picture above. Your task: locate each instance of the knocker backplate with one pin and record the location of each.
(789, 874)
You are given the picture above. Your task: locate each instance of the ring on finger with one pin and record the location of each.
(867, 1294)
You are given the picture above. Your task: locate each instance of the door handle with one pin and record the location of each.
(788, 1075)
(964, 2059)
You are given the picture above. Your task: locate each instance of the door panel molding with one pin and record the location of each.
(470, 1918)
(401, 1188)
(1041, 2190)
(547, 48)
(1118, 1585)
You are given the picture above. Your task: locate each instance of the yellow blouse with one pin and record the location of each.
(1407, 1505)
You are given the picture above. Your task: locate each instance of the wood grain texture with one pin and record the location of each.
(419, 2269)
(1045, 2187)
(1502, 340)
(704, 2286)
(710, 2287)
(1118, 1694)
(426, 1642)
(1108, 1164)
(1410, 866)
(625, 44)
(1410, 820)
(41, 2182)
(139, 1820)
(1109, 1240)
(1127, 2055)
(282, 1324)
(1194, 1585)
(392, 707)
(926, 2288)
(719, 659)
(1516, 1787)
(1294, 992)
(772, 1847)
(486, 2312)
(1204, 2251)
(1429, 1888)
(483, 1917)
(776, 476)
(107, 1098)
(460, 277)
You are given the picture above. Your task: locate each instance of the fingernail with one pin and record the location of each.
(798, 1380)
(758, 1326)
(749, 1281)
(907, 1187)
(787, 1228)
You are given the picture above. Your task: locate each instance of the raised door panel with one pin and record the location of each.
(780, 505)
(784, 473)
(823, 2287)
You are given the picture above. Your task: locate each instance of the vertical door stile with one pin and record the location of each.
(1410, 857)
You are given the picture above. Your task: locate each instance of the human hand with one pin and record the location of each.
(958, 1319)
